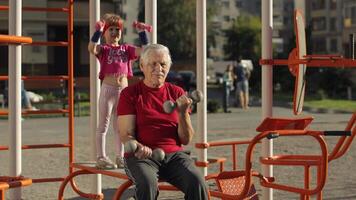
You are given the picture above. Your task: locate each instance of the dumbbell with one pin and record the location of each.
(169, 106)
(131, 147)
(141, 25)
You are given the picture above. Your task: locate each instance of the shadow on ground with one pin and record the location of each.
(109, 194)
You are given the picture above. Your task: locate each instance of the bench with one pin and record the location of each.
(122, 191)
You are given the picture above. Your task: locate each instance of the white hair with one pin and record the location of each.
(155, 47)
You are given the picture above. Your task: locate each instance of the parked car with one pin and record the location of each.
(189, 80)
(172, 77)
(175, 78)
(219, 77)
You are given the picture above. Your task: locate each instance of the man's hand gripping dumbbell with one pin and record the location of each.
(142, 152)
(169, 106)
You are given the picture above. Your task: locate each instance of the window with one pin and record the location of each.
(227, 18)
(226, 4)
(287, 20)
(332, 24)
(123, 16)
(319, 23)
(353, 15)
(288, 7)
(333, 45)
(319, 45)
(333, 4)
(318, 4)
(350, 15)
(238, 3)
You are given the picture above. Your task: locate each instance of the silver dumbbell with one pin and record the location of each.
(131, 147)
(169, 106)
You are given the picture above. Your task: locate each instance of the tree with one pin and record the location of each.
(243, 39)
(177, 26)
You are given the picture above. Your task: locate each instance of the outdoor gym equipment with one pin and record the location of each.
(240, 181)
(15, 146)
(7, 182)
(169, 106)
(131, 147)
(298, 61)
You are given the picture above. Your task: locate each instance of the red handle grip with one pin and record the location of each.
(141, 25)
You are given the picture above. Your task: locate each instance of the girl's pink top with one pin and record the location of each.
(116, 60)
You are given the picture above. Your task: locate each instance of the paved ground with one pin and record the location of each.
(341, 182)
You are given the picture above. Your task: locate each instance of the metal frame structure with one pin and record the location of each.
(14, 113)
(15, 23)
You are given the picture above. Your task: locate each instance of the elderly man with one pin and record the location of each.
(141, 118)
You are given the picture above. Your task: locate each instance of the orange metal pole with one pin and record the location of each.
(70, 84)
(57, 44)
(38, 9)
(234, 157)
(11, 39)
(4, 78)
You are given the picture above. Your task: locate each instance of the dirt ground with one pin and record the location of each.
(341, 182)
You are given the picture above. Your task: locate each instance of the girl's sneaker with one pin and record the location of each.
(105, 163)
(119, 162)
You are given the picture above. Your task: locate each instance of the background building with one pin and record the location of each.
(52, 26)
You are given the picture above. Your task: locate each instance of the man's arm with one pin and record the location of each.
(126, 125)
(185, 128)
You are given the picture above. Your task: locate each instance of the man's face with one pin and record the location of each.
(156, 69)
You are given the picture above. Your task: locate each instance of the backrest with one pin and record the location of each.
(270, 124)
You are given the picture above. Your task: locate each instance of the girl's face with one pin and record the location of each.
(112, 35)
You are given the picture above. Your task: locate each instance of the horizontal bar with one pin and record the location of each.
(337, 133)
(38, 9)
(46, 9)
(40, 78)
(57, 44)
(12, 39)
(38, 146)
(38, 112)
(44, 146)
(313, 61)
(4, 148)
(43, 180)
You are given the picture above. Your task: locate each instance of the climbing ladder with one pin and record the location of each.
(69, 111)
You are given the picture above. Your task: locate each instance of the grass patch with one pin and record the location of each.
(346, 105)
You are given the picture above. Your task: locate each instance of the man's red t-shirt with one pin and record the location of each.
(154, 127)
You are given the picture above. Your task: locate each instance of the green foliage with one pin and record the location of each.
(213, 106)
(177, 26)
(243, 39)
(49, 96)
(335, 104)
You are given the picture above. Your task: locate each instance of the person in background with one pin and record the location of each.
(228, 84)
(242, 89)
(115, 69)
(25, 100)
(143, 121)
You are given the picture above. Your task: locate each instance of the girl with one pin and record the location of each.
(115, 68)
